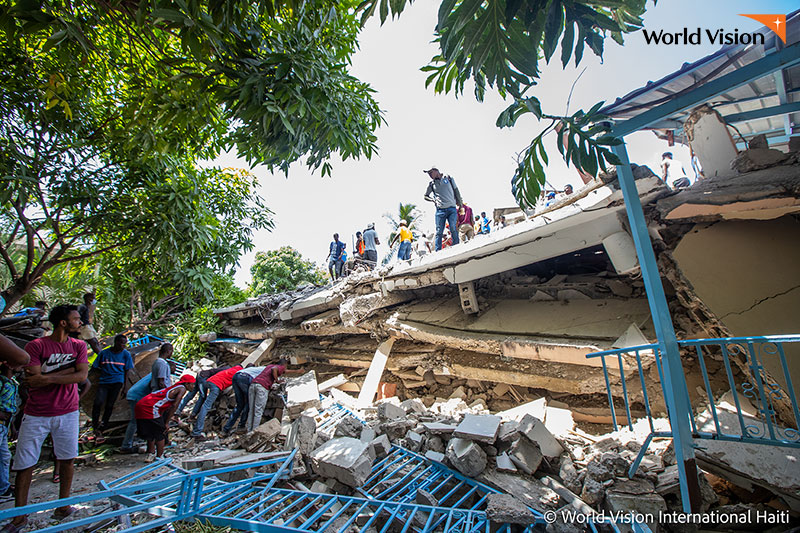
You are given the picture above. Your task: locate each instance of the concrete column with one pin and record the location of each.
(260, 353)
(370, 387)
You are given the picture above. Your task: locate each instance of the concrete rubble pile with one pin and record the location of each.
(532, 454)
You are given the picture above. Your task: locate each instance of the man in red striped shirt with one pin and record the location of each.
(154, 411)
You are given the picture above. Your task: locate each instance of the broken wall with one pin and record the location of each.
(747, 273)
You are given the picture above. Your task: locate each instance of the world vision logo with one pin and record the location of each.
(776, 23)
(697, 36)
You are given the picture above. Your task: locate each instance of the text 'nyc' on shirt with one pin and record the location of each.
(51, 356)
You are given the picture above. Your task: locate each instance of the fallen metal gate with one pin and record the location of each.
(762, 391)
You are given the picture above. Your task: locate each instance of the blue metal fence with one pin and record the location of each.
(759, 425)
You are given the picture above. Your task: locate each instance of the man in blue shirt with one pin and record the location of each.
(486, 227)
(114, 364)
(335, 257)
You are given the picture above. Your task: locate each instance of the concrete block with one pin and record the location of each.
(302, 435)
(535, 408)
(301, 393)
(436, 428)
(414, 405)
(209, 460)
(526, 455)
(504, 463)
(345, 459)
(434, 456)
(336, 381)
(389, 411)
(269, 429)
(535, 430)
(506, 509)
(381, 446)
(413, 441)
(458, 393)
(466, 457)
(508, 431)
(558, 421)
(367, 434)
(480, 428)
(530, 491)
(349, 426)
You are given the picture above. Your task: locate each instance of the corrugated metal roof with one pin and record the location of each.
(758, 94)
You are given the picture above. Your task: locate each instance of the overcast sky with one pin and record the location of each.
(459, 135)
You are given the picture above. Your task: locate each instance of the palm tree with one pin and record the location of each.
(411, 215)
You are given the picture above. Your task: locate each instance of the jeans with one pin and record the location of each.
(241, 384)
(107, 394)
(449, 214)
(130, 432)
(335, 267)
(199, 389)
(5, 459)
(257, 396)
(211, 397)
(404, 253)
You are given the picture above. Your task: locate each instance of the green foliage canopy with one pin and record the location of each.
(282, 270)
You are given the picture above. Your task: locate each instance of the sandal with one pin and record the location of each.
(60, 514)
(11, 527)
(100, 439)
(56, 478)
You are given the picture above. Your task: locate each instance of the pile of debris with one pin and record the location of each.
(532, 455)
(22, 329)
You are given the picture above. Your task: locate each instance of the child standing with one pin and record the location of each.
(9, 402)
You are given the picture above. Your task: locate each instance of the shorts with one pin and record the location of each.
(151, 428)
(63, 429)
(88, 332)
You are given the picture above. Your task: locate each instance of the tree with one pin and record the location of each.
(411, 215)
(108, 107)
(282, 270)
(500, 43)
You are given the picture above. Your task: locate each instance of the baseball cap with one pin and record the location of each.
(433, 167)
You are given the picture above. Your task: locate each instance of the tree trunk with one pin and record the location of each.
(15, 292)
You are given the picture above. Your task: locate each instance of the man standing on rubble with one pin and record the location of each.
(57, 364)
(241, 385)
(259, 392)
(443, 191)
(335, 258)
(370, 246)
(215, 384)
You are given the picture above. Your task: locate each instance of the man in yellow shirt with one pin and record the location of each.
(405, 236)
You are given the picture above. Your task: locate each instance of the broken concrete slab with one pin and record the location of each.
(413, 441)
(437, 428)
(508, 431)
(435, 456)
(373, 379)
(349, 426)
(529, 490)
(535, 408)
(466, 457)
(389, 411)
(302, 435)
(209, 460)
(336, 381)
(506, 509)
(526, 455)
(558, 421)
(503, 463)
(302, 393)
(345, 459)
(479, 428)
(535, 430)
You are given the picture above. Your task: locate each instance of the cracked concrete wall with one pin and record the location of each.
(747, 273)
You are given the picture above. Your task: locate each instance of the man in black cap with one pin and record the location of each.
(443, 191)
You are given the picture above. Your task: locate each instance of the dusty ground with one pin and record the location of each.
(87, 478)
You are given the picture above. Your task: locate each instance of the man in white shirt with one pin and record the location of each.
(672, 172)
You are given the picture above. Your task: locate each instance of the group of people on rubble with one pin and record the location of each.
(55, 370)
(454, 223)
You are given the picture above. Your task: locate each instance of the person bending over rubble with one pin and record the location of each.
(241, 386)
(259, 392)
(200, 389)
(57, 364)
(154, 411)
(216, 384)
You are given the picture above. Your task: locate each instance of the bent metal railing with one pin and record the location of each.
(748, 413)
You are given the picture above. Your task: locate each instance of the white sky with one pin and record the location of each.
(459, 135)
